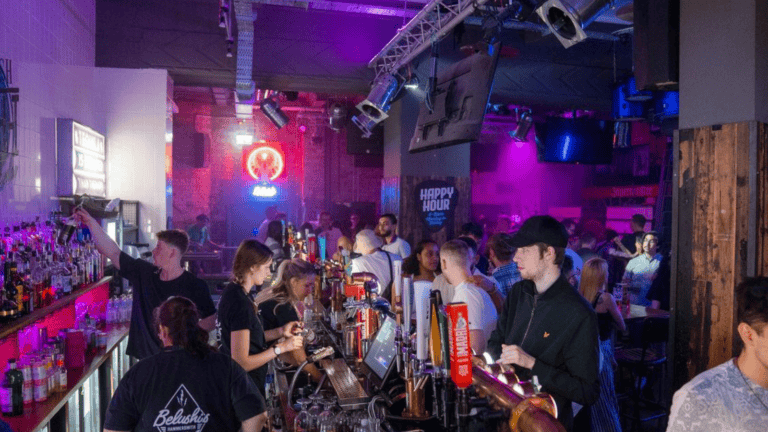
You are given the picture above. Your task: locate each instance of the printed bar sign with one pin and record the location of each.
(436, 201)
(458, 334)
(88, 162)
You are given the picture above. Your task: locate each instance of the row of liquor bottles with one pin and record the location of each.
(43, 262)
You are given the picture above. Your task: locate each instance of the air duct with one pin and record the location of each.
(567, 20)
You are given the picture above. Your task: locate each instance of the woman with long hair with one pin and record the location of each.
(241, 331)
(156, 391)
(424, 262)
(594, 278)
(283, 303)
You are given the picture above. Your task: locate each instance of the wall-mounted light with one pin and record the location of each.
(243, 139)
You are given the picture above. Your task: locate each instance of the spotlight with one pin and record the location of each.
(523, 126)
(567, 22)
(273, 112)
(337, 117)
(374, 108)
(243, 139)
(413, 83)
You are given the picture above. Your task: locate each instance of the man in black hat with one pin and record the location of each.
(546, 329)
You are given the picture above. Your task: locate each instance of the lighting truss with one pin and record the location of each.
(432, 23)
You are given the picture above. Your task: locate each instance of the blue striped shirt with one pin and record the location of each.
(506, 276)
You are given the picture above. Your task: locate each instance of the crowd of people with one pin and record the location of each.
(539, 298)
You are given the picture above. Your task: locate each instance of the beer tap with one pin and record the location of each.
(415, 369)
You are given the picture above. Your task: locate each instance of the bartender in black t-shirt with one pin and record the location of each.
(280, 304)
(152, 284)
(187, 386)
(241, 333)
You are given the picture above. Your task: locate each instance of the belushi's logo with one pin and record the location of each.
(181, 413)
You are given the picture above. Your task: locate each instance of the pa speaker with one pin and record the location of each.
(201, 149)
(357, 144)
(656, 49)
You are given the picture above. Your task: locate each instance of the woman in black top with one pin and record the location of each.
(594, 278)
(424, 262)
(241, 332)
(283, 302)
(187, 384)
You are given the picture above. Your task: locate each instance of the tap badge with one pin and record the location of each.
(459, 338)
(181, 413)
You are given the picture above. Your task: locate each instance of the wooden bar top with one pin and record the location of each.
(38, 414)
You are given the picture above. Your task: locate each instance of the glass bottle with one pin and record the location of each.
(302, 421)
(11, 397)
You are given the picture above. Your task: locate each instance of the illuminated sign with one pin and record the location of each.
(265, 163)
(264, 190)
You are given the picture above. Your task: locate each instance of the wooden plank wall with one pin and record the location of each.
(410, 226)
(712, 244)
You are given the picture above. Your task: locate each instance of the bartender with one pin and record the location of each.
(559, 343)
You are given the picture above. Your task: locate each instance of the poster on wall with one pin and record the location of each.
(436, 201)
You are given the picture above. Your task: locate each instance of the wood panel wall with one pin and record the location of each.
(720, 226)
(410, 227)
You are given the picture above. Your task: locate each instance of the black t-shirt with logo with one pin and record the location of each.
(176, 390)
(236, 312)
(150, 292)
(275, 314)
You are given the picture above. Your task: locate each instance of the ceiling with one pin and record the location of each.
(316, 47)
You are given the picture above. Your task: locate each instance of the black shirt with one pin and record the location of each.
(148, 293)
(176, 390)
(629, 241)
(236, 312)
(659, 290)
(274, 315)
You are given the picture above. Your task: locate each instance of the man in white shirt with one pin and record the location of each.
(734, 395)
(392, 243)
(374, 260)
(455, 259)
(331, 234)
(642, 269)
(486, 283)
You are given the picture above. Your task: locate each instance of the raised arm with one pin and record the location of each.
(104, 244)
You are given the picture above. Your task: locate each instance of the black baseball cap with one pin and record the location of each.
(541, 229)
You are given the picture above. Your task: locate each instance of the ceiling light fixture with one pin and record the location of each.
(374, 108)
(523, 126)
(272, 110)
(567, 20)
(337, 116)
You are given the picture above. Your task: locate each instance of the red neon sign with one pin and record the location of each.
(265, 162)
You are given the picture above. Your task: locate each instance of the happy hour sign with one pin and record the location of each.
(436, 201)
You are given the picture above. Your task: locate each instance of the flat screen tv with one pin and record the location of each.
(459, 103)
(581, 140)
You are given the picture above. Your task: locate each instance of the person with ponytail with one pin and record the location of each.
(242, 334)
(283, 303)
(187, 381)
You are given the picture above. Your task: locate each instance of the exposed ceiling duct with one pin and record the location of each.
(244, 85)
(568, 19)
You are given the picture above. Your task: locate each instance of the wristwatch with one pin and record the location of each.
(277, 349)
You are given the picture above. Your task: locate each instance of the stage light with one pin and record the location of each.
(413, 83)
(272, 110)
(374, 108)
(337, 117)
(523, 126)
(567, 20)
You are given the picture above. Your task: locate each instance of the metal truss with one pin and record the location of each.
(431, 24)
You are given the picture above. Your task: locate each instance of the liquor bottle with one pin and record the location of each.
(11, 397)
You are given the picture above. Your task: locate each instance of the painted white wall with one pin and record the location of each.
(134, 110)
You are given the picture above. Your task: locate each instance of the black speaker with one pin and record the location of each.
(356, 144)
(201, 150)
(656, 49)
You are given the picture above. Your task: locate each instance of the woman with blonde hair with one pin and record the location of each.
(241, 331)
(283, 303)
(594, 279)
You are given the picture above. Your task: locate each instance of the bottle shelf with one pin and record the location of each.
(16, 325)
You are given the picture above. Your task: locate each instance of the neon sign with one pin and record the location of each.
(264, 190)
(265, 162)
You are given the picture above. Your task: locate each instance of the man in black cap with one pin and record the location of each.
(546, 329)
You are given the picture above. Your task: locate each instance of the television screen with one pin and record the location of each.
(458, 103)
(582, 140)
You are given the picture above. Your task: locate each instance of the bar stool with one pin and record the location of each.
(643, 358)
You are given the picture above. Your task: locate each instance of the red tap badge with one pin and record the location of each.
(458, 335)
